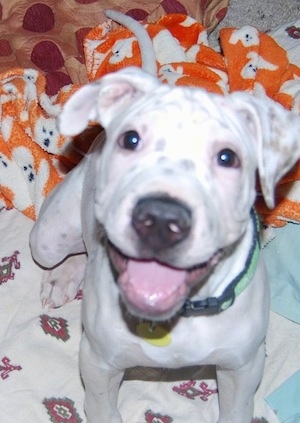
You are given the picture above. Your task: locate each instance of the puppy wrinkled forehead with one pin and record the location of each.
(187, 105)
(195, 103)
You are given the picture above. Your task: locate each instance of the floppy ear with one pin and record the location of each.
(277, 136)
(101, 100)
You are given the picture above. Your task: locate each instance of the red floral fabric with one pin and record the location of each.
(47, 35)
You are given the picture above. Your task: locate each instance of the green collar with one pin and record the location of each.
(214, 305)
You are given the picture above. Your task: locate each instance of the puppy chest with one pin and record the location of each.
(160, 345)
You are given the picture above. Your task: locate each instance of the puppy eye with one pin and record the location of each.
(130, 140)
(228, 158)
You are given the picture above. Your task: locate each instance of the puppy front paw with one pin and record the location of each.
(61, 284)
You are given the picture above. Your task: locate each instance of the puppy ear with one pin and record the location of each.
(277, 136)
(102, 100)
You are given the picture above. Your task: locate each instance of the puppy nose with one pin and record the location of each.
(161, 222)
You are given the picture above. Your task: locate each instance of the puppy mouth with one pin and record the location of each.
(153, 290)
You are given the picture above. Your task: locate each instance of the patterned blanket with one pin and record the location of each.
(48, 35)
(39, 376)
(35, 157)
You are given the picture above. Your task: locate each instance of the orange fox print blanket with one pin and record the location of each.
(34, 156)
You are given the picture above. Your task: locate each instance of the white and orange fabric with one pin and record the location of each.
(256, 63)
(181, 48)
(33, 153)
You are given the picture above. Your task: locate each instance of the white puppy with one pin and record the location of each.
(164, 211)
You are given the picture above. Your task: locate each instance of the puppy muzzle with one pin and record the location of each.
(153, 290)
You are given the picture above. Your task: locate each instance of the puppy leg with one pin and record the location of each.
(237, 389)
(60, 284)
(102, 384)
(57, 233)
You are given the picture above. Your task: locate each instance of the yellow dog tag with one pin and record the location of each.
(154, 334)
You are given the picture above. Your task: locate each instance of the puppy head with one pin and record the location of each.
(274, 131)
(176, 178)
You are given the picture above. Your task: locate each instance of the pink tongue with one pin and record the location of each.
(152, 287)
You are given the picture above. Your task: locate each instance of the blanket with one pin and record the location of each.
(180, 43)
(48, 35)
(35, 157)
(39, 375)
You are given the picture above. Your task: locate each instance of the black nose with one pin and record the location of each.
(161, 222)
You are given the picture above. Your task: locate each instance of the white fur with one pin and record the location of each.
(182, 131)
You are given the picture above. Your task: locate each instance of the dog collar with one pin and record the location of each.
(214, 305)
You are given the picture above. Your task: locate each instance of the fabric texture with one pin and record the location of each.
(48, 35)
(181, 49)
(285, 400)
(39, 374)
(288, 189)
(34, 155)
(283, 271)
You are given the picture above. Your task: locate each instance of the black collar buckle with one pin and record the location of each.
(199, 308)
